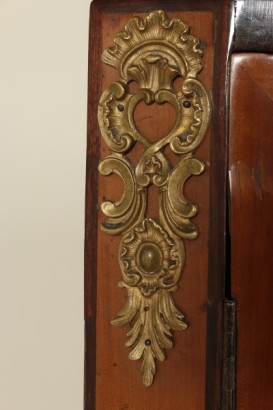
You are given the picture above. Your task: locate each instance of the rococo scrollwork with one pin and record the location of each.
(153, 51)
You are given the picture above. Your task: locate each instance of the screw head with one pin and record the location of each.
(186, 104)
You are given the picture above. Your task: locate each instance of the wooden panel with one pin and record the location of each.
(253, 29)
(189, 378)
(251, 192)
(191, 297)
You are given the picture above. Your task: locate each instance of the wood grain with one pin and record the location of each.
(251, 193)
(190, 346)
(253, 29)
(189, 378)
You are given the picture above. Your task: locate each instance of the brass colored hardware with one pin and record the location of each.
(152, 51)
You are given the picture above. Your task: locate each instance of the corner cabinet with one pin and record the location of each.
(178, 199)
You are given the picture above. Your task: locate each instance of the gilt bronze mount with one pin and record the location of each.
(153, 51)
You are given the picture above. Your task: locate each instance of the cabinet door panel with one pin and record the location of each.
(251, 193)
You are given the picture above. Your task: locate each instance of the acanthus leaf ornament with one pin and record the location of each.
(152, 51)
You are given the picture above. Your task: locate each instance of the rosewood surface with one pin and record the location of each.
(251, 223)
(190, 378)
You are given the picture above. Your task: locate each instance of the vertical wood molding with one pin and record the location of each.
(251, 187)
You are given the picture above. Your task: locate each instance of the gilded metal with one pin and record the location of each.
(153, 52)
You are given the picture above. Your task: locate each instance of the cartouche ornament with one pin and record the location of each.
(153, 52)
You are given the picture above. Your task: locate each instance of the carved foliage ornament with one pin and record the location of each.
(152, 51)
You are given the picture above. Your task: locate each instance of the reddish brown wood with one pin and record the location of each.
(251, 193)
(121, 376)
(190, 377)
(90, 257)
